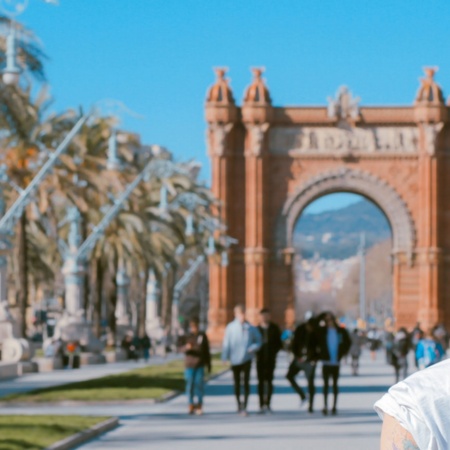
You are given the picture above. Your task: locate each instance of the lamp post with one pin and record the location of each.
(13, 214)
(362, 277)
(13, 8)
(73, 320)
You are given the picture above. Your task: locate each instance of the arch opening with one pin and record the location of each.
(329, 254)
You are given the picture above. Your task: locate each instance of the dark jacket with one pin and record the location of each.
(344, 343)
(271, 338)
(305, 344)
(200, 349)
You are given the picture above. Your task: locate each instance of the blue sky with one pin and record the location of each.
(156, 55)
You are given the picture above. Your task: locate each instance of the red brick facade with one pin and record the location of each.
(269, 163)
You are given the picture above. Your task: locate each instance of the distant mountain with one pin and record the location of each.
(336, 234)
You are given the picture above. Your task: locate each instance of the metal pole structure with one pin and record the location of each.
(362, 277)
(177, 291)
(77, 254)
(14, 213)
(159, 168)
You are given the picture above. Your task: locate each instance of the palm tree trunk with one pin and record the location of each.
(142, 315)
(22, 275)
(166, 298)
(87, 285)
(112, 305)
(97, 313)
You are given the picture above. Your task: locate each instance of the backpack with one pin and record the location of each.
(430, 353)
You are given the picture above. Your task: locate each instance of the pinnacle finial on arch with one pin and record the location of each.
(220, 91)
(257, 92)
(429, 91)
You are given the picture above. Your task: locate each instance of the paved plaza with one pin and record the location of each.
(166, 426)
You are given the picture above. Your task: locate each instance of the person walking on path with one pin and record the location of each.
(334, 343)
(240, 344)
(305, 350)
(197, 358)
(145, 344)
(399, 357)
(266, 358)
(355, 349)
(429, 351)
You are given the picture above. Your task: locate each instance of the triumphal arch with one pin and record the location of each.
(270, 162)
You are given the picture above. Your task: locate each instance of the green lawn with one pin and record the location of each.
(150, 382)
(38, 432)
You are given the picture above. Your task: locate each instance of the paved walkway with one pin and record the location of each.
(166, 426)
(59, 377)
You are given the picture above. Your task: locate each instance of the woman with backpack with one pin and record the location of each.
(429, 351)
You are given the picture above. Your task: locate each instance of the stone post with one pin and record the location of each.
(153, 319)
(122, 310)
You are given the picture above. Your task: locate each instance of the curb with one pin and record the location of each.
(85, 435)
(69, 403)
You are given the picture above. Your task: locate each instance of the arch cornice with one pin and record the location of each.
(359, 182)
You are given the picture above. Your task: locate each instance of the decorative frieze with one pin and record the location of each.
(297, 141)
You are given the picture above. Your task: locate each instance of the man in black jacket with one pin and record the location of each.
(305, 350)
(334, 343)
(266, 358)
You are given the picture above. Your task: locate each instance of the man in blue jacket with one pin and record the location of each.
(240, 344)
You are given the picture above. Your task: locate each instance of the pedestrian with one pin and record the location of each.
(241, 342)
(266, 358)
(416, 335)
(197, 358)
(400, 349)
(429, 351)
(334, 343)
(355, 349)
(130, 345)
(145, 344)
(305, 351)
(373, 338)
(441, 335)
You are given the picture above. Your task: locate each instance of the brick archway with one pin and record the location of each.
(358, 182)
(269, 162)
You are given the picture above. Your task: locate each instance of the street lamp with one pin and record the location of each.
(12, 71)
(12, 8)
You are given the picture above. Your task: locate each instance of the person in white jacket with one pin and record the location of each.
(240, 344)
(415, 412)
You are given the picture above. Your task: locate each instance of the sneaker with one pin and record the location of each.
(243, 413)
(262, 410)
(199, 411)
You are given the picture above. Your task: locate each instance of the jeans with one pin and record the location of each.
(310, 373)
(330, 371)
(194, 384)
(238, 371)
(265, 370)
